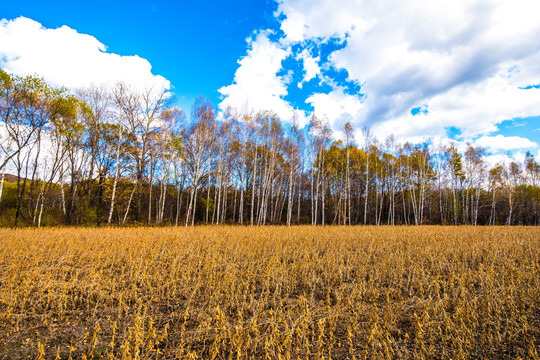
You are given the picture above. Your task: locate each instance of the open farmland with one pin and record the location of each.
(270, 292)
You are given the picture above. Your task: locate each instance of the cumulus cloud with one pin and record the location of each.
(67, 58)
(311, 66)
(501, 142)
(471, 64)
(337, 107)
(505, 159)
(320, 18)
(257, 85)
(496, 160)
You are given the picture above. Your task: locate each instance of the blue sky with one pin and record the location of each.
(194, 44)
(462, 71)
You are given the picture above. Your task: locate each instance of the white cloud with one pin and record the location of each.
(337, 106)
(464, 59)
(67, 58)
(320, 18)
(496, 160)
(501, 142)
(311, 66)
(257, 87)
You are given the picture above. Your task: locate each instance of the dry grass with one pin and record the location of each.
(271, 293)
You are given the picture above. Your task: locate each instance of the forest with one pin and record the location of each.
(120, 156)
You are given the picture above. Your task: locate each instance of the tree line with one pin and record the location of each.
(124, 156)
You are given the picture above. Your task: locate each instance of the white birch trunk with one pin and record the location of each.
(129, 204)
(1, 186)
(116, 173)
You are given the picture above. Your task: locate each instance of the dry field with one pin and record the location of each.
(270, 293)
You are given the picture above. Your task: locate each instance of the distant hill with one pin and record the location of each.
(9, 177)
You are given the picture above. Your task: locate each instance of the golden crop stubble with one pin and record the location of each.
(289, 292)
